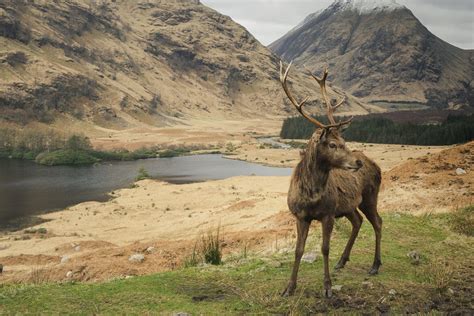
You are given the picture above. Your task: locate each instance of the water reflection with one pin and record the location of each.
(27, 188)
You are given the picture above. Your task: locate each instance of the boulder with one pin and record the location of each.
(310, 257)
(414, 257)
(137, 258)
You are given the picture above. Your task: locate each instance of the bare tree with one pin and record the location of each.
(331, 182)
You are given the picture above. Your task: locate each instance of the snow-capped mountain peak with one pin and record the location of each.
(367, 6)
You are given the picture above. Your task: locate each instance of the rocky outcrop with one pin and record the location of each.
(22, 102)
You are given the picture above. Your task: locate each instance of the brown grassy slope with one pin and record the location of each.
(430, 183)
(124, 64)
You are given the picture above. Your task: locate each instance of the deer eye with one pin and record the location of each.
(332, 145)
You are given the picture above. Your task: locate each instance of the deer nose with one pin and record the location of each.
(359, 163)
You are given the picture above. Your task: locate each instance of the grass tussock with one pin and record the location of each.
(39, 276)
(440, 273)
(206, 250)
(211, 248)
(194, 258)
(142, 174)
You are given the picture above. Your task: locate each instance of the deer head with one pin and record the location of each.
(326, 143)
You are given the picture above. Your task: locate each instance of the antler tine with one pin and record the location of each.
(348, 121)
(330, 108)
(340, 103)
(299, 106)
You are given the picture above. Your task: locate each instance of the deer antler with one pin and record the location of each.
(299, 105)
(330, 108)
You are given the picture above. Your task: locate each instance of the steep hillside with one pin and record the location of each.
(120, 64)
(379, 51)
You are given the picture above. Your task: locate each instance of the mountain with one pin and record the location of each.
(122, 64)
(379, 51)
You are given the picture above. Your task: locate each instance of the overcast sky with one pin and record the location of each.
(268, 20)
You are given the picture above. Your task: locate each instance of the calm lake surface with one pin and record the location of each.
(28, 189)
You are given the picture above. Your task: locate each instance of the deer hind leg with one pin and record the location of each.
(370, 211)
(356, 220)
(302, 228)
(327, 224)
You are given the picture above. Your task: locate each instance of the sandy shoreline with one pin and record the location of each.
(250, 210)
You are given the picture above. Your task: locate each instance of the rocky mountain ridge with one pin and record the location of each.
(379, 51)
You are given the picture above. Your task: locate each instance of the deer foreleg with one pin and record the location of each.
(376, 222)
(327, 224)
(356, 220)
(302, 228)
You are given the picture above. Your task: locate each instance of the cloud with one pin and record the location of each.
(268, 20)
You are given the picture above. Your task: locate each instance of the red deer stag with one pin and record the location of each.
(331, 182)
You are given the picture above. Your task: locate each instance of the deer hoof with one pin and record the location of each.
(374, 271)
(340, 265)
(328, 293)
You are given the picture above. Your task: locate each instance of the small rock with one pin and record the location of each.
(181, 314)
(137, 258)
(128, 277)
(69, 274)
(367, 285)
(337, 288)
(450, 291)
(415, 257)
(77, 248)
(150, 249)
(64, 259)
(460, 171)
(310, 257)
(392, 292)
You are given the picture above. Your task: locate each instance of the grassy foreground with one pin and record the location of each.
(441, 279)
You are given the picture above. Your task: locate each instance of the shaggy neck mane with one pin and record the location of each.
(312, 173)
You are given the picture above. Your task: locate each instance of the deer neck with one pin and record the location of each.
(316, 174)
